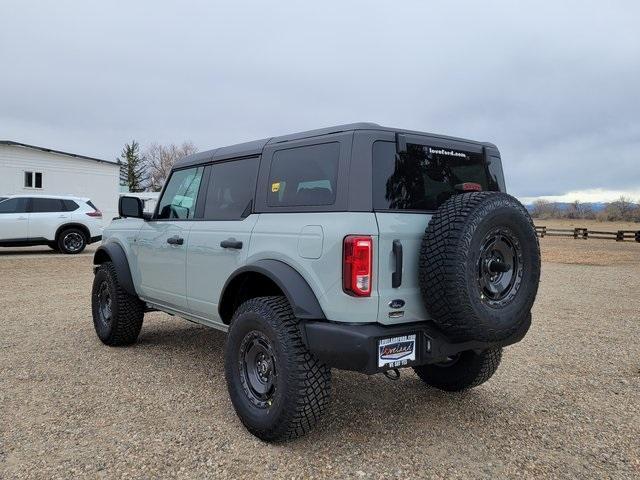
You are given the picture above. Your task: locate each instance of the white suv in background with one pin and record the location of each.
(64, 223)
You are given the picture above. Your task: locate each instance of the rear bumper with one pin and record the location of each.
(355, 347)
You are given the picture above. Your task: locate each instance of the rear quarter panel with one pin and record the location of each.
(312, 244)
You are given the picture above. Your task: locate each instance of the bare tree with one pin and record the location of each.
(160, 158)
(574, 210)
(623, 209)
(544, 209)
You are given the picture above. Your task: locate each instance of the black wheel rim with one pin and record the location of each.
(258, 372)
(105, 303)
(499, 267)
(73, 241)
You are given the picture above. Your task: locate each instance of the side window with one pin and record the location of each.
(70, 205)
(46, 205)
(231, 189)
(179, 198)
(304, 176)
(14, 205)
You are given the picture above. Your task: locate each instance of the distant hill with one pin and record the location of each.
(595, 206)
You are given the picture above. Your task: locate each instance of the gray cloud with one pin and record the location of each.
(556, 87)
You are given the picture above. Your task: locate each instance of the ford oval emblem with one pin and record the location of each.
(397, 303)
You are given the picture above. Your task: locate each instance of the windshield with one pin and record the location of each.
(424, 177)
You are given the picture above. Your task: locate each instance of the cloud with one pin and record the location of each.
(596, 195)
(554, 85)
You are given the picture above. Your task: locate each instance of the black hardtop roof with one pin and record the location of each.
(255, 147)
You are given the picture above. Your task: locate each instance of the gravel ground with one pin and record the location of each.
(564, 403)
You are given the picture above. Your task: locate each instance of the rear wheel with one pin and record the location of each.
(278, 389)
(71, 241)
(462, 371)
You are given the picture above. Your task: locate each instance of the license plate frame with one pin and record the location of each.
(398, 351)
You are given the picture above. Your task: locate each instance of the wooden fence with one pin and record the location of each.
(584, 233)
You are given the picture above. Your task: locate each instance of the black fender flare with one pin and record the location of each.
(303, 301)
(115, 253)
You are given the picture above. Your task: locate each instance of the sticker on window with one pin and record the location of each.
(275, 186)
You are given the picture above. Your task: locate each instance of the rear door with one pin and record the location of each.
(47, 214)
(14, 219)
(218, 244)
(161, 244)
(408, 188)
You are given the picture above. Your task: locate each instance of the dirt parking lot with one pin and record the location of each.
(564, 403)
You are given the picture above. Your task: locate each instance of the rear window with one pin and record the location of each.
(424, 177)
(304, 176)
(231, 189)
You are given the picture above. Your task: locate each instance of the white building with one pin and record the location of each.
(26, 169)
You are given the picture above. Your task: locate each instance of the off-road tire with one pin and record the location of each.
(302, 387)
(453, 261)
(127, 311)
(62, 241)
(468, 370)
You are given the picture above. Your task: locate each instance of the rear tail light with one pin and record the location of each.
(357, 265)
(96, 214)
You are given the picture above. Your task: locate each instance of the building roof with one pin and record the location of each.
(255, 147)
(59, 152)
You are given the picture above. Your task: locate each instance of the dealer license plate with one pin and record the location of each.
(396, 351)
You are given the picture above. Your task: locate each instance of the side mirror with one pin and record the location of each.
(130, 207)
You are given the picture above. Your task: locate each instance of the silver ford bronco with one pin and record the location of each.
(356, 247)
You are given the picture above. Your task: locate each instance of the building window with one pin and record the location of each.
(32, 179)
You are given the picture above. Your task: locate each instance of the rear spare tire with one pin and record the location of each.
(480, 267)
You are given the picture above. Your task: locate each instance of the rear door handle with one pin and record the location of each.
(231, 243)
(175, 240)
(396, 277)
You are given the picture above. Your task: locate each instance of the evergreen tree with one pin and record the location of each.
(135, 166)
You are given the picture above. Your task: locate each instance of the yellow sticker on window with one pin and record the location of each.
(275, 186)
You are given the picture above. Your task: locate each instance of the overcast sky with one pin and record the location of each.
(556, 87)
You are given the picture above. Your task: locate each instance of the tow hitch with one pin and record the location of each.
(393, 374)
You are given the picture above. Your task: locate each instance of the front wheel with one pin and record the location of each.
(462, 371)
(117, 315)
(278, 389)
